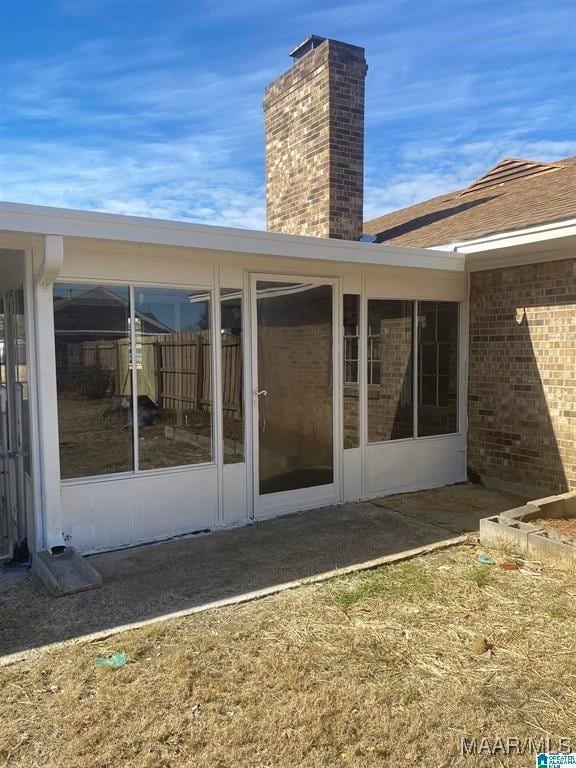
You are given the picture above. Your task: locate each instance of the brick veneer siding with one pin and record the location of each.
(389, 417)
(522, 375)
(314, 117)
(294, 360)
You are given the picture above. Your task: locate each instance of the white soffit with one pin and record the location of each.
(546, 242)
(43, 220)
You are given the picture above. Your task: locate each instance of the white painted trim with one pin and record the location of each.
(47, 398)
(363, 385)
(338, 389)
(52, 260)
(249, 445)
(300, 498)
(119, 476)
(33, 387)
(463, 361)
(415, 369)
(532, 245)
(462, 375)
(487, 260)
(528, 235)
(139, 509)
(133, 367)
(216, 414)
(132, 286)
(399, 466)
(18, 217)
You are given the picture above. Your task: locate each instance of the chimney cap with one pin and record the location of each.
(311, 42)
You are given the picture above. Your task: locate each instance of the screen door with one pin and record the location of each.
(293, 341)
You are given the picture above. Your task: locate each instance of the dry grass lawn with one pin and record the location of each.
(360, 671)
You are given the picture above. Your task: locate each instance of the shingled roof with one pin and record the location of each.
(513, 195)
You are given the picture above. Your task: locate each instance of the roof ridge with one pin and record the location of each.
(510, 169)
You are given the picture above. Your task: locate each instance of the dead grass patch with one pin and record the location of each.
(369, 670)
(564, 526)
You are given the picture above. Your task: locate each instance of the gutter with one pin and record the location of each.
(537, 234)
(52, 261)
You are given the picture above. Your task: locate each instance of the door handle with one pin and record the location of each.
(261, 392)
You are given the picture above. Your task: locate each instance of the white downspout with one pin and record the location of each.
(48, 271)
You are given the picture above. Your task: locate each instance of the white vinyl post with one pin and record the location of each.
(47, 392)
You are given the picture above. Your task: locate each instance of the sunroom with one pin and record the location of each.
(179, 378)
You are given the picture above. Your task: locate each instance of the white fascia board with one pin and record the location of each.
(527, 236)
(44, 220)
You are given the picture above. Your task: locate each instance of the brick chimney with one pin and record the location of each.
(314, 116)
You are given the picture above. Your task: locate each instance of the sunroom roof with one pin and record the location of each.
(44, 220)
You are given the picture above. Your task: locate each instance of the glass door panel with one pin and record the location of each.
(14, 428)
(294, 386)
(6, 534)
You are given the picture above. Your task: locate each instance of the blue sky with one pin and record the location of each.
(154, 108)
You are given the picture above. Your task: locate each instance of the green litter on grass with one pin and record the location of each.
(115, 660)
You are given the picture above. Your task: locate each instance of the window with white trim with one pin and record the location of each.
(351, 362)
(437, 367)
(395, 378)
(134, 370)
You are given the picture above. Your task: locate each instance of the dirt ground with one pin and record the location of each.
(566, 527)
(388, 667)
(96, 439)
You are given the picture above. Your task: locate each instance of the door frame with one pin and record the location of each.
(32, 252)
(271, 505)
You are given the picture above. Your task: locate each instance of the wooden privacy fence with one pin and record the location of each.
(173, 370)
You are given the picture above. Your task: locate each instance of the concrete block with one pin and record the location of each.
(563, 505)
(525, 513)
(546, 546)
(498, 531)
(65, 573)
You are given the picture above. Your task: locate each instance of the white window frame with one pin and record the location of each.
(415, 368)
(135, 471)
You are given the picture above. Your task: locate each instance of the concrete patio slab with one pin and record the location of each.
(188, 574)
(458, 508)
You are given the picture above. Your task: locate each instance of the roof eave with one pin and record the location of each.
(510, 238)
(44, 220)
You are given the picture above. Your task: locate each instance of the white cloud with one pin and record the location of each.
(423, 171)
(189, 180)
(154, 125)
(149, 139)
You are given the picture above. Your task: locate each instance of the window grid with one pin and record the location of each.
(125, 402)
(351, 355)
(373, 358)
(438, 350)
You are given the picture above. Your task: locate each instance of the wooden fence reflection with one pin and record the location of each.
(173, 370)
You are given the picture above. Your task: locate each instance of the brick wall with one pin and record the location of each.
(522, 375)
(389, 412)
(295, 367)
(314, 117)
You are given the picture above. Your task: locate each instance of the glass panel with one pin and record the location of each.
(2, 344)
(5, 538)
(295, 428)
(351, 328)
(232, 374)
(22, 387)
(438, 368)
(390, 353)
(93, 379)
(173, 368)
